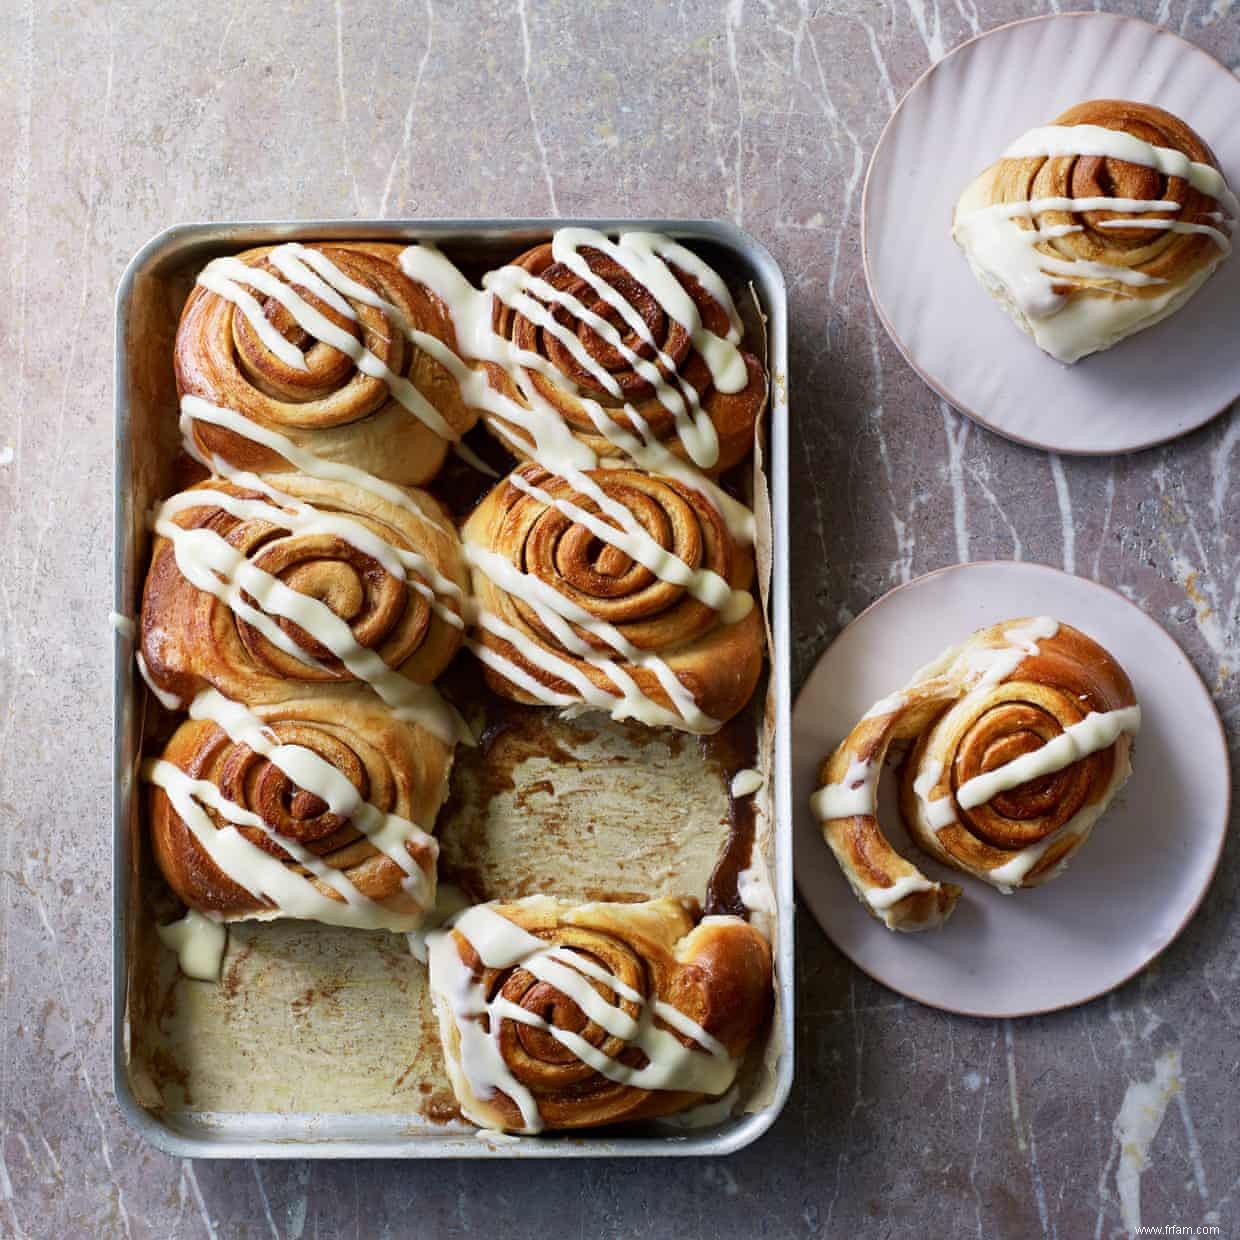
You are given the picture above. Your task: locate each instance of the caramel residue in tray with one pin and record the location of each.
(730, 750)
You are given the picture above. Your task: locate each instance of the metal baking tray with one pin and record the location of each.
(148, 303)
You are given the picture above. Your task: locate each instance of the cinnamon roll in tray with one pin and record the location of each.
(305, 599)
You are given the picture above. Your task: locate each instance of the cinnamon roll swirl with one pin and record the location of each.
(1020, 740)
(1098, 225)
(625, 592)
(332, 348)
(634, 344)
(554, 1016)
(261, 586)
(312, 808)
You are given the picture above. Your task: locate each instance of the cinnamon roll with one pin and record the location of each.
(316, 808)
(261, 586)
(1098, 225)
(624, 592)
(633, 344)
(554, 1016)
(1020, 739)
(327, 352)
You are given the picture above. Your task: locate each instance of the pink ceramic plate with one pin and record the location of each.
(1133, 885)
(956, 121)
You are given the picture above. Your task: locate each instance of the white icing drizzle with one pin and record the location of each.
(940, 812)
(559, 612)
(886, 706)
(648, 256)
(210, 563)
(226, 276)
(169, 701)
(706, 585)
(124, 625)
(300, 517)
(389, 833)
(745, 783)
(1033, 207)
(852, 796)
(1012, 873)
(199, 942)
(1031, 284)
(1055, 141)
(631, 703)
(1219, 237)
(195, 409)
(991, 665)
(501, 944)
(883, 898)
(987, 667)
(449, 901)
(753, 886)
(561, 454)
(267, 877)
(220, 278)
(554, 447)
(474, 461)
(1096, 731)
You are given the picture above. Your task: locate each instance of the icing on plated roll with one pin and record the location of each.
(330, 349)
(315, 809)
(1018, 741)
(625, 592)
(557, 1016)
(260, 586)
(1098, 225)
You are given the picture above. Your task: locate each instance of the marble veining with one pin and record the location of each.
(122, 118)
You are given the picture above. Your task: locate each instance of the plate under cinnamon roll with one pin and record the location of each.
(330, 352)
(1098, 225)
(555, 1016)
(1016, 743)
(620, 591)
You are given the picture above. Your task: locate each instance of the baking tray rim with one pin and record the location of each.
(741, 1131)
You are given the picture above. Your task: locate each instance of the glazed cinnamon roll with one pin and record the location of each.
(625, 592)
(260, 586)
(554, 1016)
(331, 350)
(1020, 740)
(314, 808)
(1098, 225)
(633, 344)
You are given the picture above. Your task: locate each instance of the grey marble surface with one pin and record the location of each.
(119, 119)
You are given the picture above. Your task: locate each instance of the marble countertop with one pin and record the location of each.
(120, 119)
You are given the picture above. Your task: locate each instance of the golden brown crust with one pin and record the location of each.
(1169, 257)
(190, 640)
(716, 972)
(397, 767)
(733, 414)
(959, 728)
(719, 664)
(332, 408)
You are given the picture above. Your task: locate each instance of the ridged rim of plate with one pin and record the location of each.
(806, 833)
(1020, 339)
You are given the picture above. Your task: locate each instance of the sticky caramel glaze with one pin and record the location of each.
(733, 748)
